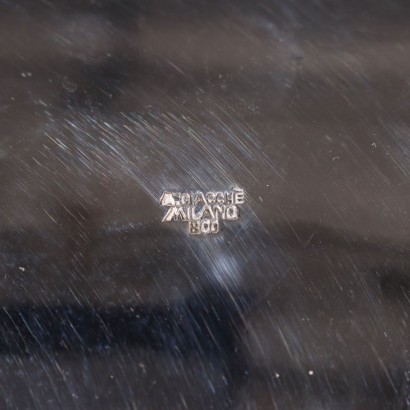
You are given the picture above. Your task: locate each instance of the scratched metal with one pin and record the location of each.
(303, 302)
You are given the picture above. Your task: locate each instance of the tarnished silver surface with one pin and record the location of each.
(303, 302)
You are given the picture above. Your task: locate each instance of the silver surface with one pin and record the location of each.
(303, 302)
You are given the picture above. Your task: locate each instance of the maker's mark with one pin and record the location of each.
(203, 211)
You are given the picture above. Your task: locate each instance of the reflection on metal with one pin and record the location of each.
(202, 211)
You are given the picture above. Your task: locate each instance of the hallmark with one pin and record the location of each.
(202, 211)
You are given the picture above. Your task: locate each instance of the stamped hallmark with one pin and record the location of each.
(203, 211)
